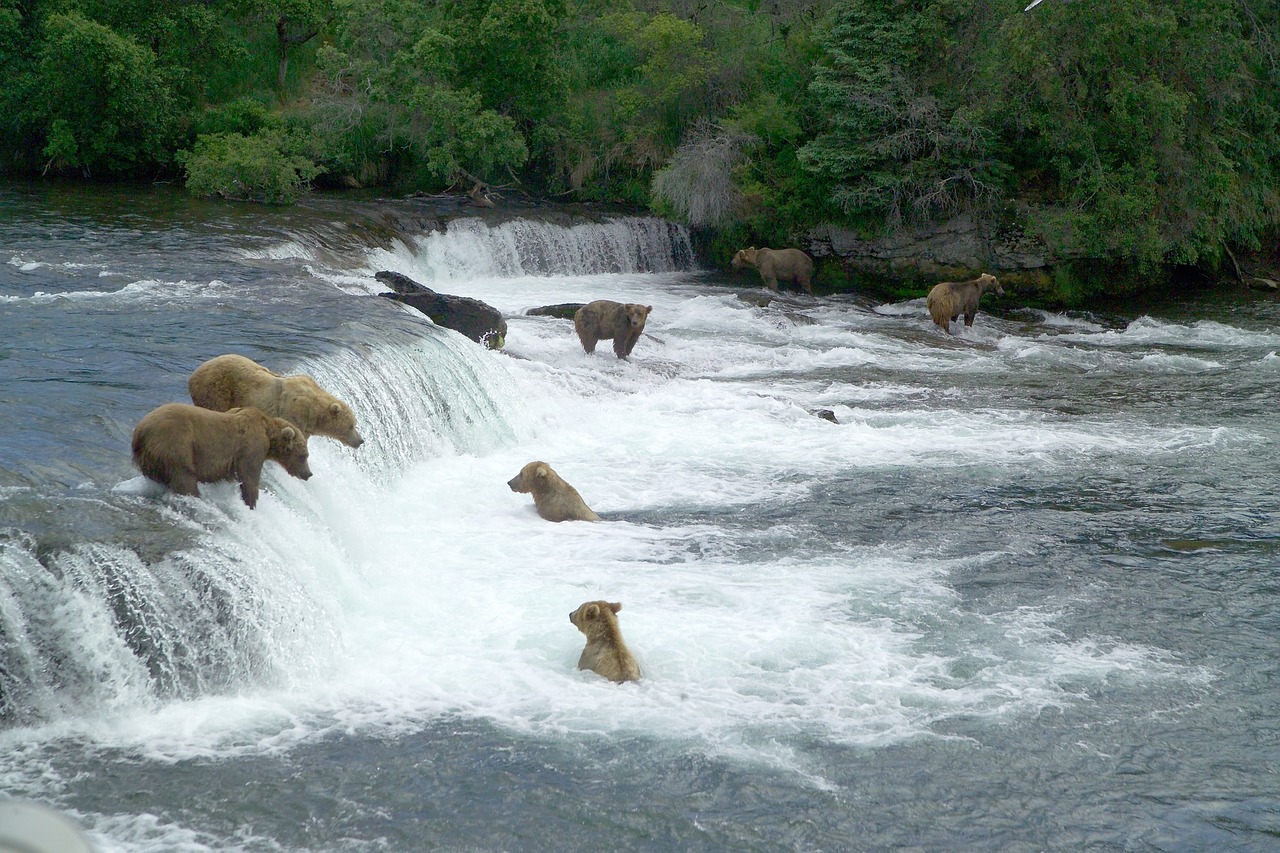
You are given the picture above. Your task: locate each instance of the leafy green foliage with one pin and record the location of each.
(106, 106)
(1155, 124)
(264, 167)
(1129, 135)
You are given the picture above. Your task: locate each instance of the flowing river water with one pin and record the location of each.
(1022, 593)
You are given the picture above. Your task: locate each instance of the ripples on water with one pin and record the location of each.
(1021, 596)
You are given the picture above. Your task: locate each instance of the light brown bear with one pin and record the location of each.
(605, 653)
(554, 499)
(778, 264)
(602, 320)
(178, 446)
(949, 299)
(229, 381)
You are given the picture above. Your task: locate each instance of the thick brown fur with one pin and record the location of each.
(178, 446)
(554, 499)
(776, 265)
(603, 320)
(229, 381)
(949, 299)
(605, 653)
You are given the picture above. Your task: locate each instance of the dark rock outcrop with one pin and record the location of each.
(563, 310)
(477, 320)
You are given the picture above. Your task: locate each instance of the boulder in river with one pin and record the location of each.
(477, 320)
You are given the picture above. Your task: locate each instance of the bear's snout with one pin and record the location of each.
(514, 483)
(354, 440)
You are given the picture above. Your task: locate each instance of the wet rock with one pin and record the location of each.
(563, 310)
(477, 320)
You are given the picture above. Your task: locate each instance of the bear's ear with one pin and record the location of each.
(287, 433)
(615, 606)
(541, 471)
(335, 409)
(592, 612)
(647, 309)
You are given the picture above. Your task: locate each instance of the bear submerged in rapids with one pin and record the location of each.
(229, 381)
(604, 320)
(554, 499)
(179, 446)
(605, 653)
(949, 299)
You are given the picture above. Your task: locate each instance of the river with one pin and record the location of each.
(1020, 595)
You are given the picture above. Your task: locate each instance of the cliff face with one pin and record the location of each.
(961, 248)
(911, 260)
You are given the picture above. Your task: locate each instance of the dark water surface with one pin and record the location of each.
(1021, 596)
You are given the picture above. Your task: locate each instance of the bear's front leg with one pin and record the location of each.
(249, 481)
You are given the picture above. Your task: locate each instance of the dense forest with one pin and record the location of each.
(1141, 134)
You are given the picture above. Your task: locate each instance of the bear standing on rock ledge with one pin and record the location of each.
(229, 381)
(603, 320)
(179, 446)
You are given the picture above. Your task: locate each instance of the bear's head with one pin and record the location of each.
(746, 257)
(987, 283)
(289, 448)
(340, 422)
(527, 480)
(637, 314)
(592, 615)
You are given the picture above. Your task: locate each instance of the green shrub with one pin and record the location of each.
(263, 167)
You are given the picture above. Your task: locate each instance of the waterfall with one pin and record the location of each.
(472, 248)
(215, 596)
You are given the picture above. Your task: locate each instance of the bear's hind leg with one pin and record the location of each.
(183, 483)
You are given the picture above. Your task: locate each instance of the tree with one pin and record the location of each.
(106, 106)
(905, 142)
(1152, 125)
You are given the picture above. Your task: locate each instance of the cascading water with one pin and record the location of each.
(1020, 558)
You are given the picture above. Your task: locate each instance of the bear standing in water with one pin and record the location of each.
(605, 653)
(554, 499)
(776, 265)
(949, 299)
(603, 320)
(229, 381)
(178, 446)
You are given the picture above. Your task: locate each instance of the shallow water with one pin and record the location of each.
(1021, 595)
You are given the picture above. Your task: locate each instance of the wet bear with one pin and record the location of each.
(605, 653)
(603, 320)
(229, 381)
(179, 446)
(554, 499)
(949, 299)
(776, 265)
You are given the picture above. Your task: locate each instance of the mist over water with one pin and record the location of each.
(1020, 595)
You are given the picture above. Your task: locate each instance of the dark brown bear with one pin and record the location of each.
(776, 265)
(603, 320)
(949, 299)
(178, 446)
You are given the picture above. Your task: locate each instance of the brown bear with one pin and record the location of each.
(949, 299)
(554, 499)
(229, 381)
(605, 653)
(778, 264)
(603, 319)
(178, 446)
